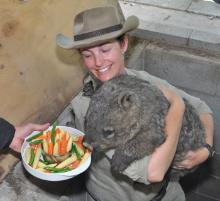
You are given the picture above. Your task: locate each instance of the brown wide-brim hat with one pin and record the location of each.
(97, 25)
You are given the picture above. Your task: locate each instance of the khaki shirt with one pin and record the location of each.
(102, 184)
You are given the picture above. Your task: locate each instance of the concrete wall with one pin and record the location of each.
(198, 73)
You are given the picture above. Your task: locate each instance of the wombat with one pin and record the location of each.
(128, 114)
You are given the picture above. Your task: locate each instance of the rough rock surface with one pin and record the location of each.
(19, 185)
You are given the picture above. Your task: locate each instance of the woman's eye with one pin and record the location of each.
(106, 50)
(86, 55)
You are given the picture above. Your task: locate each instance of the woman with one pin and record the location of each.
(13, 137)
(99, 37)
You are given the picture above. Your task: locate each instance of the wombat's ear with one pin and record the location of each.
(127, 99)
(110, 87)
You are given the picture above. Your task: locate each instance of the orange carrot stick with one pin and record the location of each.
(42, 137)
(75, 164)
(80, 139)
(58, 130)
(63, 145)
(48, 135)
(79, 144)
(63, 136)
(50, 148)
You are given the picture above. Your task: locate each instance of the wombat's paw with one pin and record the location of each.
(117, 164)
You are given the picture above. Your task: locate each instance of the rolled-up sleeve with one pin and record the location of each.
(137, 171)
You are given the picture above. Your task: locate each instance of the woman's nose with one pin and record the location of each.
(99, 60)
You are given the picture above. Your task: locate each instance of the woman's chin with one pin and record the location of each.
(105, 77)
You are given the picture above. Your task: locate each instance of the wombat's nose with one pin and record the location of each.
(108, 132)
(87, 142)
(88, 146)
(87, 138)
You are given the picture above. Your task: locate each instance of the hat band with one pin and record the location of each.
(98, 32)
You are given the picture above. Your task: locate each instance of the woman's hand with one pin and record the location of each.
(193, 158)
(21, 132)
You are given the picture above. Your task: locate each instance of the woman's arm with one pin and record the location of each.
(194, 158)
(162, 157)
(204, 111)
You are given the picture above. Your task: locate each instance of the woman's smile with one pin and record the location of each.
(105, 61)
(104, 69)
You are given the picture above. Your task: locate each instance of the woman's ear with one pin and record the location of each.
(124, 44)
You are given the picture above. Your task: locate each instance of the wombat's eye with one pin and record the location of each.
(110, 87)
(113, 87)
(108, 132)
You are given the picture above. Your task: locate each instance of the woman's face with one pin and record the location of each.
(105, 61)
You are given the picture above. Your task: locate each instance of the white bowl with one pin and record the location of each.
(55, 176)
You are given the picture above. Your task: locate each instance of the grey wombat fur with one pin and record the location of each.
(127, 114)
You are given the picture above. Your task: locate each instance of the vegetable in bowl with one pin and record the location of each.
(55, 151)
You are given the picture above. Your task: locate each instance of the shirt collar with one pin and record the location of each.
(91, 84)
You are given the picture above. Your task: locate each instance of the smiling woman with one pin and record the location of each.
(99, 35)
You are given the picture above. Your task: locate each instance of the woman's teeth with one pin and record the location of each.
(103, 69)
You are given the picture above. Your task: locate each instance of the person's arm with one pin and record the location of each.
(193, 158)
(162, 157)
(205, 113)
(13, 137)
